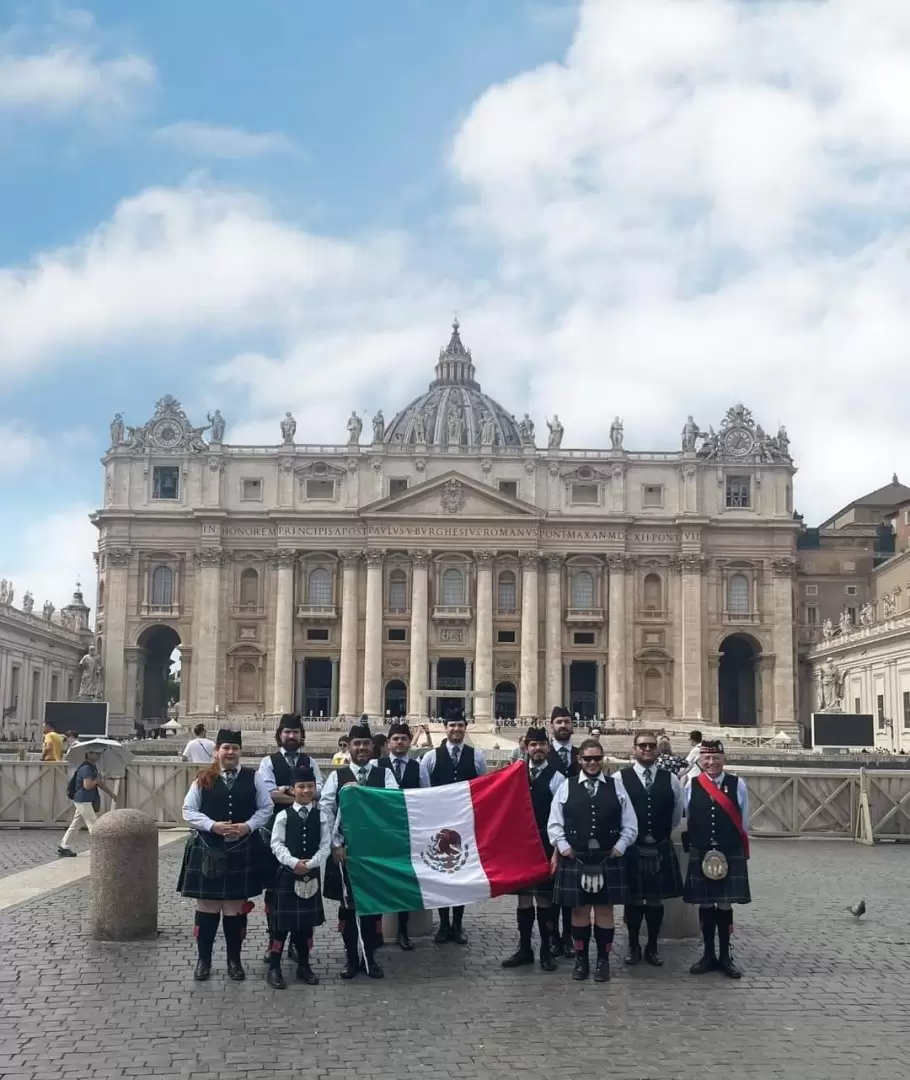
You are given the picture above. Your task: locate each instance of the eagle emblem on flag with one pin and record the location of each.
(445, 853)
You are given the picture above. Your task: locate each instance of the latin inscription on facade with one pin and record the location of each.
(443, 532)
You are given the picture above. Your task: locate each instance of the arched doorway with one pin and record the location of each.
(737, 676)
(160, 679)
(505, 704)
(396, 699)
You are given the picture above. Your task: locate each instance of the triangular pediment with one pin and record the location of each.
(451, 495)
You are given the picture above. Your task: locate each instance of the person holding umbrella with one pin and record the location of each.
(83, 788)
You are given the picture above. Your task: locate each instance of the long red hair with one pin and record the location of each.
(207, 776)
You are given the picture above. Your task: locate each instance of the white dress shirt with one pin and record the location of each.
(556, 780)
(428, 761)
(560, 746)
(404, 759)
(267, 771)
(556, 827)
(193, 815)
(742, 796)
(201, 751)
(674, 784)
(279, 837)
(329, 798)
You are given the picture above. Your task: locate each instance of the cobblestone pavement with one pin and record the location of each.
(824, 995)
(21, 849)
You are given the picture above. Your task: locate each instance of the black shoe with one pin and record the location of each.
(634, 956)
(305, 974)
(568, 947)
(707, 963)
(267, 955)
(292, 953)
(602, 969)
(351, 968)
(729, 969)
(403, 942)
(374, 969)
(203, 970)
(458, 935)
(519, 959)
(380, 941)
(275, 979)
(582, 968)
(66, 853)
(235, 970)
(443, 934)
(547, 963)
(652, 956)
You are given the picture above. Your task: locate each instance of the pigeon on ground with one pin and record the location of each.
(857, 910)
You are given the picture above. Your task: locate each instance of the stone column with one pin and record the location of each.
(469, 685)
(782, 636)
(714, 687)
(417, 679)
(566, 682)
(691, 651)
(372, 656)
(350, 617)
(333, 703)
(553, 631)
(206, 621)
(116, 606)
(483, 637)
(764, 690)
(616, 649)
(528, 703)
(283, 684)
(600, 691)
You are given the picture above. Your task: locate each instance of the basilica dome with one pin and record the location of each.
(454, 411)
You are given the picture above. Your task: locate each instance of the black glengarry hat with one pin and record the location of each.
(225, 735)
(537, 734)
(302, 776)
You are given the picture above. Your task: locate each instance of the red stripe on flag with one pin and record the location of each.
(510, 850)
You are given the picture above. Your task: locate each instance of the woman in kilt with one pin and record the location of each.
(652, 868)
(591, 825)
(301, 837)
(224, 858)
(717, 811)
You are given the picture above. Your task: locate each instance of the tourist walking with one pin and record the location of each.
(199, 750)
(83, 788)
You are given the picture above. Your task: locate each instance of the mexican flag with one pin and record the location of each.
(443, 846)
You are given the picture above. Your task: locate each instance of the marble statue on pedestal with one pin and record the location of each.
(355, 427)
(288, 429)
(378, 427)
(616, 432)
(556, 433)
(91, 687)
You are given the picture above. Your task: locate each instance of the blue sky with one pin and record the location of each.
(278, 206)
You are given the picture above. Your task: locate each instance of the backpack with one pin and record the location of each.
(71, 786)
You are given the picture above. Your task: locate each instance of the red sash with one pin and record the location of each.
(713, 791)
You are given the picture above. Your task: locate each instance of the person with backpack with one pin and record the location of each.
(83, 788)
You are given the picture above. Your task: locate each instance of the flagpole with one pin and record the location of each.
(350, 906)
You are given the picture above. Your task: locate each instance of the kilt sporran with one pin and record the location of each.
(596, 879)
(732, 888)
(652, 873)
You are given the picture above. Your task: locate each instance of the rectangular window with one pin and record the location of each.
(738, 492)
(317, 633)
(812, 615)
(13, 688)
(251, 490)
(509, 487)
(165, 482)
(907, 517)
(856, 706)
(55, 688)
(584, 637)
(850, 590)
(320, 489)
(69, 688)
(505, 637)
(880, 709)
(811, 590)
(906, 701)
(396, 633)
(585, 494)
(652, 496)
(36, 693)
(397, 485)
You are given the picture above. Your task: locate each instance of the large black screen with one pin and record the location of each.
(86, 717)
(843, 729)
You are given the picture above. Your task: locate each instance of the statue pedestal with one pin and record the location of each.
(680, 920)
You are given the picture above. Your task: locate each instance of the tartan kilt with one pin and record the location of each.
(541, 892)
(243, 876)
(733, 889)
(653, 888)
(270, 865)
(291, 912)
(567, 891)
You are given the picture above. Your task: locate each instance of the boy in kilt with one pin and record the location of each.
(224, 859)
(717, 812)
(565, 757)
(544, 780)
(591, 825)
(300, 841)
(337, 886)
(652, 868)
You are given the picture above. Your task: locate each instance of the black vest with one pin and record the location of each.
(585, 818)
(653, 808)
(375, 777)
(411, 775)
(709, 825)
(302, 837)
(283, 771)
(237, 805)
(541, 799)
(555, 759)
(444, 771)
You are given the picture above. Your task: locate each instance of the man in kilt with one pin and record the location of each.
(565, 757)
(224, 859)
(717, 812)
(337, 885)
(406, 771)
(275, 772)
(591, 825)
(544, 780)
(300, 841)
(652, 868)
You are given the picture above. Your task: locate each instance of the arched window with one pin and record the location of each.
(452, 587)
(163, 587)
(319, 588)
(654, 687)
(247, 682)
(583, 590)
(249, 587)
(507, 598)
(398, 590)
(738, 595)
(652, 591)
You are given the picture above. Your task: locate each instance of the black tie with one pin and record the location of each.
(649, 780)
(399, 768)
(535, 772)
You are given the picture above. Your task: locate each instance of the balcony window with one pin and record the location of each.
(583, 590)
(249, 587)
(398, 591)
(452, 587)
(738, 595)
(319, 588)
(320, 489)
(163, 587)
(507, 595)
(509, 487)
(251, 490)
(652, 592)
(585, 494)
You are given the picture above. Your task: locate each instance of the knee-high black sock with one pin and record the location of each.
(654, 916)
(368, 935)
(300, 939)
(268, 902)
(276, 947)
(233, 927)
(581, 935)
(603, 937)
(205, 931)
(566, 922)
(403, 921)
(444, 917)
(545, 916)
(525, 927)
(724, 918)
(634, 915)
(349, 935)
(457, 915)
(708, 918)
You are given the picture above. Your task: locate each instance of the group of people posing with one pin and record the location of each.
(609, 839)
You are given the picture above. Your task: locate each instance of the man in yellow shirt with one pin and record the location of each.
(52, 748)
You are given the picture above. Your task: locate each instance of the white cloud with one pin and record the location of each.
(48, 555)
(66, 78)
(217, 141)
(18, 446)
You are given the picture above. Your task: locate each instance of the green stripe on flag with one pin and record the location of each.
(375, 823)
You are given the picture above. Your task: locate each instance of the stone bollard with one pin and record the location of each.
(124, 877)
(420, 925)
(680, 920)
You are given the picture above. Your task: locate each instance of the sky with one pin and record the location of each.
(638, 207)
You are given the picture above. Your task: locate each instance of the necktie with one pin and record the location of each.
(592, 787)
(398, 766)
(535, 772)
(456, 754)
(229, 777)
(564, 754)
(303, 811)
(649, 780)
(361, 775)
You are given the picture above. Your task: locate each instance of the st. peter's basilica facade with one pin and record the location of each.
(447, 552)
